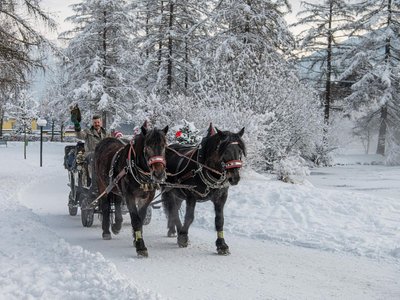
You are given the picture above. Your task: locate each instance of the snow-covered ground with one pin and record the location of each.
(334, 237)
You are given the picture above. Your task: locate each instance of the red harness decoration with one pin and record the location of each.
(156, 159)
(233, 164)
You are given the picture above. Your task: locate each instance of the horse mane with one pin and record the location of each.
(154, 136)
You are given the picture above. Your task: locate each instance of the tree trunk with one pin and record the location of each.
(382, 132)
(62, 132)
(1, 121)
(52, 130)
(169, 70)
(160, 43)
(384, 109)
(328, 85)
(186, 61)
(104, 113)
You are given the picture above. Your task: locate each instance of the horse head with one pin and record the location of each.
(154, 144)
(227, 152)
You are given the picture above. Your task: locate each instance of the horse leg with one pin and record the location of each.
(137, 228)
(171, 208)
(116, 227)
(183, 238)
(105, 223)
(222, 247)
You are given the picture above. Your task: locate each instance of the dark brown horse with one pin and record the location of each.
(132, 171)
(210, 168)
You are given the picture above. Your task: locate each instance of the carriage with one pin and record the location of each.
(79, 183)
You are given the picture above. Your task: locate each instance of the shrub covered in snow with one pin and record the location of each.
(290, 166)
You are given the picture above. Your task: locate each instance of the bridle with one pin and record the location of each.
(232, 164)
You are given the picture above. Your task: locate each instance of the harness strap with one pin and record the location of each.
(191, 159)
(114, 182)
(187, 176)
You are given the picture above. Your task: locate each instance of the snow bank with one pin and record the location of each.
(267, 209)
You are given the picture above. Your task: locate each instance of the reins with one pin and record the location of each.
(195, 161)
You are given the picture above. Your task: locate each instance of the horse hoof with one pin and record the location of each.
(142, 253)
(183, 241)
(141, 249)
(106, 236)
(116, 228)
(223, 251)
(171, 233)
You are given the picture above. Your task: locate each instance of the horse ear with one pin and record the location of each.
(220, 133)
(144, 128)
(165, 129)
(211, 130)
(241, 132)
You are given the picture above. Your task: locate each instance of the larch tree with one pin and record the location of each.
(321, 45)
(99, 59)
(174, 34)
(248, 81)
(19, 39)
(374, 61)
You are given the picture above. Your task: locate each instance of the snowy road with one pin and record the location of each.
(258, 268)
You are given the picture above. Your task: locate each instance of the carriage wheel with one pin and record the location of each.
(87, 213)
(149, 213)
(72, 207)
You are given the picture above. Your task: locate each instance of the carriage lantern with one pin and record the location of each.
(41, 123)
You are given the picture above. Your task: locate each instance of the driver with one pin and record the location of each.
(92, 137)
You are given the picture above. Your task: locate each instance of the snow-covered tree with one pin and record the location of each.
(101, 57)
(18, 38)
(321, 41)
(374, 63)
(174, 35)
(247, 75)
(24, 108)
(54, 105)
(19, 44)
(250, 36)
